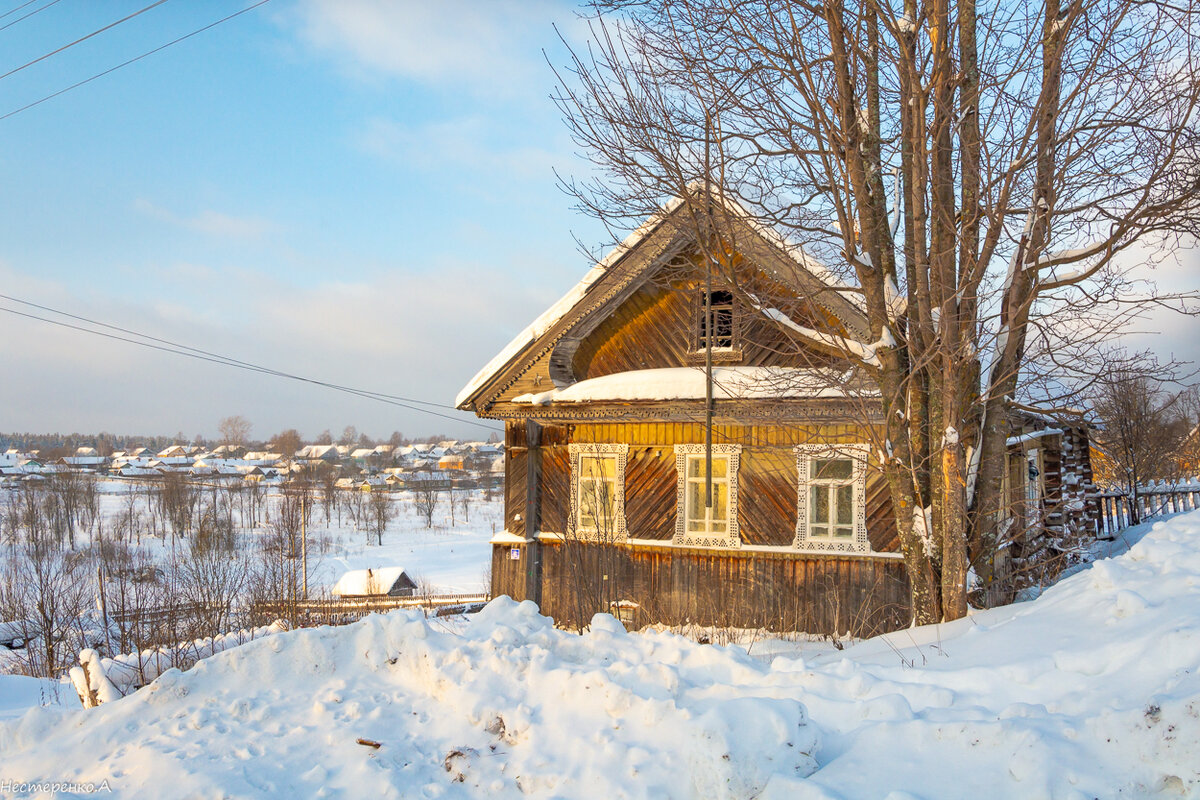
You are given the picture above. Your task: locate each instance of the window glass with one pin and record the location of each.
(831, 498)
(699, 518)
(721, 308)
(597, 493)
(831, 469)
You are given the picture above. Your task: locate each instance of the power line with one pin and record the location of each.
(26, 16)
(133, 60)
(97, 32)
(183, 350)
(18, 8)
(216, 356)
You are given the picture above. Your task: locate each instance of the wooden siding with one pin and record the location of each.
(650, 483)
(509, 574)
(675, 586)
(655, 328)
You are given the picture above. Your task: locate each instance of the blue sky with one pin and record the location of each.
(356, 191)
(359, 192)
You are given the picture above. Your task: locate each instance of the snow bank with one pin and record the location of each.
(101, 679)
(1092, 690)
(510, 707)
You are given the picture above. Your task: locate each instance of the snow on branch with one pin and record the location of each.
(866, 353)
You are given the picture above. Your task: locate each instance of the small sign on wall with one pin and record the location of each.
(514, 554)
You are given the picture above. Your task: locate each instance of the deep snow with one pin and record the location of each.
(1090, 691)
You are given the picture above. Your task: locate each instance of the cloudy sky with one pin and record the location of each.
(358, 192)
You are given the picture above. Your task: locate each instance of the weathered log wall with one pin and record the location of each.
(676, 586)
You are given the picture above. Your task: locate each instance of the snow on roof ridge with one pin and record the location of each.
(687, 383)
(560, 309)
(556, 312)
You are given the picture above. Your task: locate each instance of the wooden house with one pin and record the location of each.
(362, 584)
(610, 504)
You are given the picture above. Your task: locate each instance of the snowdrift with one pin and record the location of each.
(1090, 691)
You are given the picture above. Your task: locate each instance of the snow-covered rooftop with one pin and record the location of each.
(688, 383)
(367, 581)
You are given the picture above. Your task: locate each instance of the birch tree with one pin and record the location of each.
(970, 172)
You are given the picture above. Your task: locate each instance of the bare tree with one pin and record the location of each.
(234, 430)
(380, 512)
(287, 443)
(1139, 428)
(969, 175)
(45, 593)
(177, 501)
(425, 498)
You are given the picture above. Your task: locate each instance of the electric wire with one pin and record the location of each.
(368, 395)
(26, 16)
(232, 361)
(10, 12)
(133, 60)
(97, 32)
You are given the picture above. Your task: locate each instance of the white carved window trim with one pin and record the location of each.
(621, 452)
(858, 454)
(732, 537)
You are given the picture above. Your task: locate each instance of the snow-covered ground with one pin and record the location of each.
(1090, 691)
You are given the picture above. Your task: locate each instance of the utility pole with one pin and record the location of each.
(304, 541)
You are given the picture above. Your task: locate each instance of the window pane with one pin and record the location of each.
(818, 505)
(718, 527)
(695, 466)
(720, 501)
(831, 469)
(845, 504)
(722, 327)
(818, 530)
(695, 500)
(608, 467)
(843, 533)
(587, 508)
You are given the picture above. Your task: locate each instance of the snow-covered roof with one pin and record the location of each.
(688, 383)
(368, 581)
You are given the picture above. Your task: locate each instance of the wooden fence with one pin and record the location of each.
(342, 611)
(1119, 510)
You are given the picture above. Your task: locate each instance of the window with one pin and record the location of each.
(831, 498)
(698, 523)
(831, 513)
(598, 491)
(1035, 486)
(724, 328)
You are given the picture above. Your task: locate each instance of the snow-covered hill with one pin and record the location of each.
(1090, 691)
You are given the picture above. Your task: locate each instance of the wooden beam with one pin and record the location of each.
(533, 510)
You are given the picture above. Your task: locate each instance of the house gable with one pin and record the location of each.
(575, 339)
(658, 326)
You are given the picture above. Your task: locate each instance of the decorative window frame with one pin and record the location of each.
(732, 537)
(858, 454)
(621, 451)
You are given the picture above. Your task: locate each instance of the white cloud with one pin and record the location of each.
(209, 222)
(465, 143)
(489, 47)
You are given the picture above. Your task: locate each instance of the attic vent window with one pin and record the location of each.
(722, 315)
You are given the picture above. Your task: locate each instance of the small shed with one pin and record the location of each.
(379, 582)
